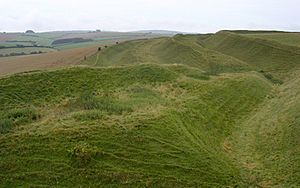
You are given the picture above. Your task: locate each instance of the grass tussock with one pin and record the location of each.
(88, 101)
(88, 115)
(82, 154)
(17, 116)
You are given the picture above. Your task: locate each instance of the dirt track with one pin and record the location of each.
(11, 65)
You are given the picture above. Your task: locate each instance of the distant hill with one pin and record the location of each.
(164, 32)
(256, 31)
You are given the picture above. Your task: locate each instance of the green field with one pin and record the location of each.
(23, 43)
(39, 39)
(46, 39)
(27, 50)
(216, 110)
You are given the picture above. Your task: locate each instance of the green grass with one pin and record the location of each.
(142, 125)
(268, 56)
(14, 44)
(267, 142)
(26, 50)
(292, 39)
(39, 39)
(17, 116)
(161, 51)
(99, 38)
(186, 111)
(77, 45)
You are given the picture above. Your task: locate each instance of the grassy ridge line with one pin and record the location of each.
(258, 31)
(267, 143)
(291, 39)
(161, 51)
(272, 57)
(121, 76)
(172, 134)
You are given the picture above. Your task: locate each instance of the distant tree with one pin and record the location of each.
(98, 30)
(99, 49)
(105, 46)
(117, 42)
(29, 31)
(84, 58)
(1, 55)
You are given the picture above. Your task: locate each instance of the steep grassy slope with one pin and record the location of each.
(268, 56)
(267, 143)
(177, 50)
(139, 125)
(292, 39)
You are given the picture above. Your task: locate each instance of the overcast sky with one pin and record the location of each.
(126, 15)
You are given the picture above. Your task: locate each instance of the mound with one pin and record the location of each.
(180, 49)
(269, 56)
(139, 125)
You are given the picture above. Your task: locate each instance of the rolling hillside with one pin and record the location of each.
(265, 55)
(291, 39)
(161, 51)
(216, 110)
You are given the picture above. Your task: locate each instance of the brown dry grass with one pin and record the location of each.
(11, 65)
